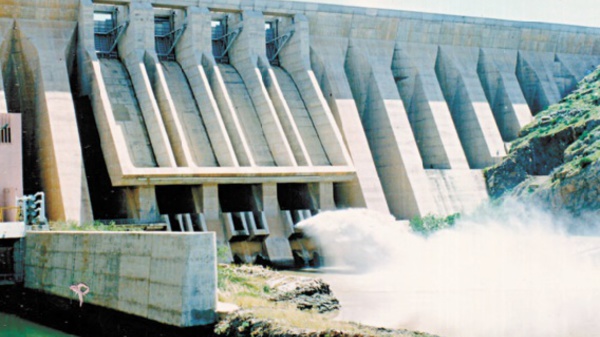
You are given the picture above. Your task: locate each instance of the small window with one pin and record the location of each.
(5, 134)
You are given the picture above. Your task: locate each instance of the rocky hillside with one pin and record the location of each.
(555, 158)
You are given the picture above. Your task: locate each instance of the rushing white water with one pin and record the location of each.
(508, 271)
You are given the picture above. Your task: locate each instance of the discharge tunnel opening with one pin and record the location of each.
(296, 196)
(173, 200)
(298, 203)
(240, 198)
(236, 199)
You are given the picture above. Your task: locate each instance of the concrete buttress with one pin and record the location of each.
(46, 48)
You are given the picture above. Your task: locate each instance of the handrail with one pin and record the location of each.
(171, 32)
(109, 31)
(117, 32)
(222, 37)
(286, 35)
(283, 40)
(177, 33)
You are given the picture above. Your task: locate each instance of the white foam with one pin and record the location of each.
(508, 271)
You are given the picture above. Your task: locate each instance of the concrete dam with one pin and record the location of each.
(244, 117)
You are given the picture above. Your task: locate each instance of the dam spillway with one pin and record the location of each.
(244, 117)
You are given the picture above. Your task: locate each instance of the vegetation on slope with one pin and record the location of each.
(563, 144)
(430, 224)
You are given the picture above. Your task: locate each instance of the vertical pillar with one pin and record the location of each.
(141, 203)
(132, 51)
(57, 147)
(206, 199)
(295, 59)
(388, 130)
(277, 244)
(535, 72)
(496, 70)
(430, 119)
(328, 58)
(323, 192)
(456, 69)
(193, 47)
(246, 55)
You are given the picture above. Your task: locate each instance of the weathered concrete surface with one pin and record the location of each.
(364, 101)
(49, 120)
(166, 277)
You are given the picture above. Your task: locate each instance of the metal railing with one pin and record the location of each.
(106, 40)
(222, 44)
(275, 45)
(166, 43)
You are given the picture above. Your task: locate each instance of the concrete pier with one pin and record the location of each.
(166, 277)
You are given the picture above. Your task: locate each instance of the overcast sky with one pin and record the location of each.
(574, 12)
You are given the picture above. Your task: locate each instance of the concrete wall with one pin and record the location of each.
(396, 111)
(166, 277)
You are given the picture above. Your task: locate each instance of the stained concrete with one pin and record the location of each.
(170, 278)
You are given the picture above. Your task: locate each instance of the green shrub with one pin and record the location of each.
(585, 162)
(89, 226)
(430, 223)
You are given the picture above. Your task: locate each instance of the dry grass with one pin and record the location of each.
(252, 292)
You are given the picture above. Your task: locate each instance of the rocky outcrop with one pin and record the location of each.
(562, 144)
(306, 293)
(243, 324)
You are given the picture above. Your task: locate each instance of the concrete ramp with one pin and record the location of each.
(301, 117)
(457, 191)
(250, 122)
(189, 115)
(127, 113)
